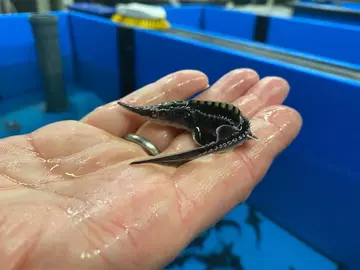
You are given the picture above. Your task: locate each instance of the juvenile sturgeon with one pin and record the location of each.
(201, 118)
(215, 126)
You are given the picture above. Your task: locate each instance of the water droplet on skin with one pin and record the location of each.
(72, 175)
(72, 212)
(85, 255)
(53, 167)
(99, 202)
(42, 160)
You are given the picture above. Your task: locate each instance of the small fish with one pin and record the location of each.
(225, 259)
(180, 261)
(199, 241)
(254, 221)
(201, 118)
(12, 126)
(341, 266)
(227, 223)
(215, 126)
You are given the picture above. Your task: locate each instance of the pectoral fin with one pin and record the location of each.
(225, 131)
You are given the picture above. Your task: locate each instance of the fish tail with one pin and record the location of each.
(180, 158)
(143, 111)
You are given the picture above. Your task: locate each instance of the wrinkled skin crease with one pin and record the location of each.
(70, 200)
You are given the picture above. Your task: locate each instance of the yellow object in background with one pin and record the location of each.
(142, 16)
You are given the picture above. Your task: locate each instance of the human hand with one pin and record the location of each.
(70, 199)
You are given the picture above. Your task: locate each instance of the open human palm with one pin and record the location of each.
(70, 199)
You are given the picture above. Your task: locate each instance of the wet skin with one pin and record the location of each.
(70, 199)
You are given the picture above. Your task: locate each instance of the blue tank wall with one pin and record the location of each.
(190, 16)
(96, 54)
(336, 41)
(302, 190)
(319, 12)
(304, 35)
(18, 64)
(22, 99)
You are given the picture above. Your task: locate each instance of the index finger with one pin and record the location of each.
(175, 86)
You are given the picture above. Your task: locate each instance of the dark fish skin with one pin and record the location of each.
(211, 114)
(177, 159)
(174, 113)
(224, 259)
(12, 126)
(200, 117)
(224, 113)
(227, 223)
(254, 221)
(215, 126)
(181, 260)
(199, 241)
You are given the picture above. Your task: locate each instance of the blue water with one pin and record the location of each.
(28, 110)
(233, 244)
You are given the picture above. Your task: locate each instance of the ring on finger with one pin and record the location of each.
(144, 143)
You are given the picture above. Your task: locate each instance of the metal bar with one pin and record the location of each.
(321, 66)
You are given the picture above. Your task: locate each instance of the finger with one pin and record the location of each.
(73, 140)
(223, 181)
(176, 86)
(231, 86)
(268, 91)
(228, 88)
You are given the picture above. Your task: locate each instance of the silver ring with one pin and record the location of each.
(152, 149)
